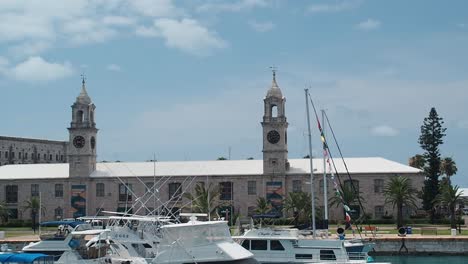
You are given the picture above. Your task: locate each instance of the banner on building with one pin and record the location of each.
(78, 200)
(274, 195)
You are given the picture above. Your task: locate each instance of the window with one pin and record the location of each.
(327, 254)
(58, 212)
(34, 190)
(125, 194)
(45, 156)
(50, 157)
(252, 188)
(225, 191)
(19, 155)
(276, 245)
(12, 213)
(297, 186)
(175, 190)
(26, 155)
(79, 116)
(378, 185)
(58, 190)
(149, 187)
(379, 212)
(349, 184)
(56, 157)
(61, 157)
(258, 244)
(303, 256)
(12, 155)
(246, 244)
(100, 189)
(6, 154)
(11, 193)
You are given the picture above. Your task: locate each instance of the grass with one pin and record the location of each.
(23, 231)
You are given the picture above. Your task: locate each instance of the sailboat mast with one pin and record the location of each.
(325, 189)
(311, 164)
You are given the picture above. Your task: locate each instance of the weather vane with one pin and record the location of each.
(274, 69)
(83, 78)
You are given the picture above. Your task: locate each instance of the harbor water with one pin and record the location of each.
(423, 259)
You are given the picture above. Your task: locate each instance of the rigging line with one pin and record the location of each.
(346, 166)
(325, 140)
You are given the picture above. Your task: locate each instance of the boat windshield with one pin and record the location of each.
(199, 235)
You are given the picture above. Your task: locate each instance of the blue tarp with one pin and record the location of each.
(21, 257)
(57, 223)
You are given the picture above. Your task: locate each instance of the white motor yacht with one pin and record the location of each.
(283, 245)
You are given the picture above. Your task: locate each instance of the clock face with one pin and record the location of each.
(93, 142)
(78, 142)
(273, 137)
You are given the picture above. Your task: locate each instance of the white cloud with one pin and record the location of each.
(231, 6)
(114, 67)
(37, 69)
(188, 35)
(29, 48)
(333, 7)
(262, 26)
(118, 21)
(155, 8)
(85, 31)
(384, 131)
(146, 32)
(369, 24)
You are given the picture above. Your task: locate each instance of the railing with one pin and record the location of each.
(357, 255)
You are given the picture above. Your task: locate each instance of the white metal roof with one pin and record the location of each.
(373, 165)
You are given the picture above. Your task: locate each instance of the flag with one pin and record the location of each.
(348, 217)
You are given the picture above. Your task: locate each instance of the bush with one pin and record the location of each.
(14, 223)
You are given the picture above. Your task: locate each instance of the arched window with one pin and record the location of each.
(91, 116)
(274, 111)
(79, 116)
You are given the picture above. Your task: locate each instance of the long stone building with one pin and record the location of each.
(16, 150)
(83, 186)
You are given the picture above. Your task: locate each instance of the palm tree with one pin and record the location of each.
(263, 206)
(449, 196)
(34, 205)
(204, 199)
(347, 196)
(417, 161)
(300, 203)
(448, 167)
(399, 193)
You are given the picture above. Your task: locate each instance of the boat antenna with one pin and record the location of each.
(311, 164)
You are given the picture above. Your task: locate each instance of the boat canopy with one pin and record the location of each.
(58, 223)
(22, 257)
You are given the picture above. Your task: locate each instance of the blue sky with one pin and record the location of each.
(185, 80)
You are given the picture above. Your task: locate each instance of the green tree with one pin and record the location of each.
(204, 199)
(300, 203)
(347, 196)
(449, 197)
(431, 138)
(221, 158)
(3, 211)
(448, 167)
(417, 161)
(33, 204)
(399, 193)
(263, 206)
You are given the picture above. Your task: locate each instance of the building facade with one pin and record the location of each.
(15, 150)
(83, 186)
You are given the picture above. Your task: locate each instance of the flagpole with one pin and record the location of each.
(325, 189)
(311, 164)
(40, 212)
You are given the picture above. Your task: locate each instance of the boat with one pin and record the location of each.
(77, 241)
(287, 245)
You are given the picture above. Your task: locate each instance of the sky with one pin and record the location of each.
(185, 80)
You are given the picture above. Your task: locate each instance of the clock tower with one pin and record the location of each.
(275, 137)
(83, 132)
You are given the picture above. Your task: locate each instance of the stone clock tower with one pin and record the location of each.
(83, 132)
(275, 137)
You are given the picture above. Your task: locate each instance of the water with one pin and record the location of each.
(423, 259)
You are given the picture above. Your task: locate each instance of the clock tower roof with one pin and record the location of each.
(274, 91)
(83, 97)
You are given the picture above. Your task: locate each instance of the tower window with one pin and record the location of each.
(79, 116)
(274, 111)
